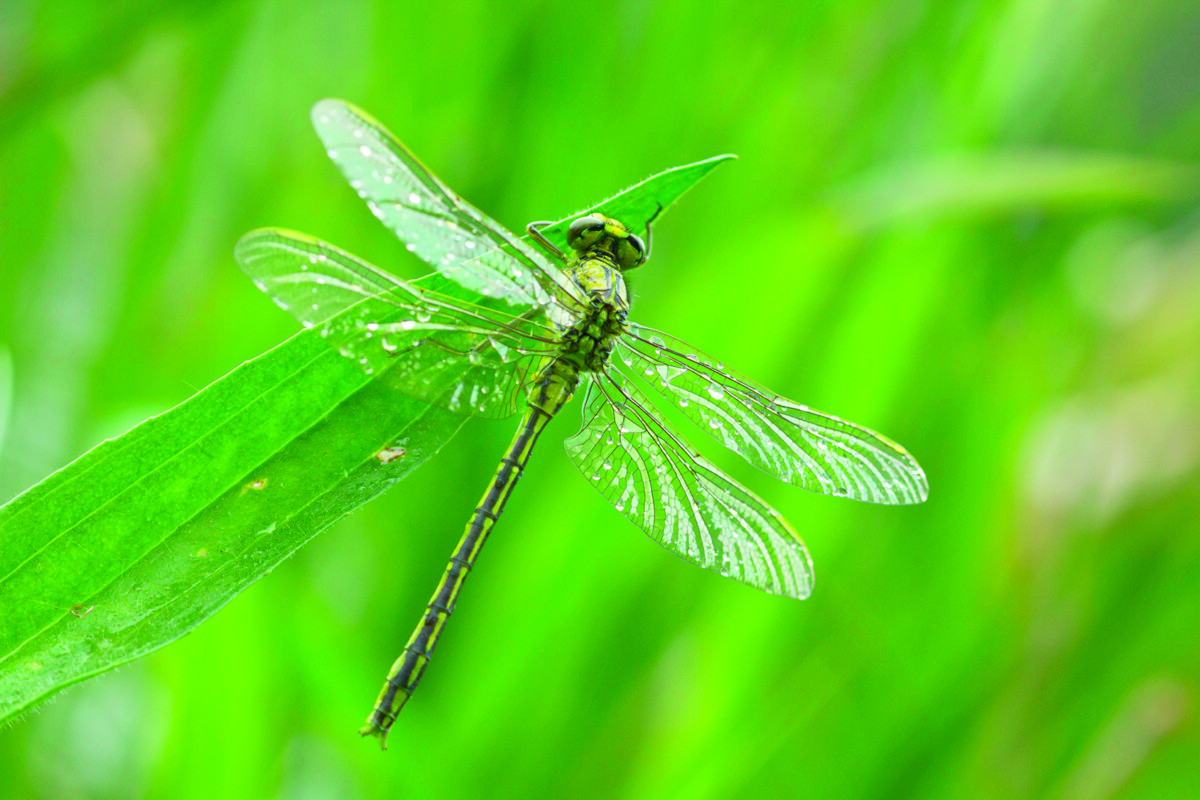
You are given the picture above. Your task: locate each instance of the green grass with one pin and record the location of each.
(972, 226)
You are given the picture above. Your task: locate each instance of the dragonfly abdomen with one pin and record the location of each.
(549, 394)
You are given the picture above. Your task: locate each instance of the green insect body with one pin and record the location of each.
(549, 324)
(584, 347)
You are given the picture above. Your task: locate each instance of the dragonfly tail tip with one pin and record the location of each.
(379, 732)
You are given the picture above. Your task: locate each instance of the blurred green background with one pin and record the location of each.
(974, 226)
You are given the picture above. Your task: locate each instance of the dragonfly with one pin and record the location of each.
(539, 325)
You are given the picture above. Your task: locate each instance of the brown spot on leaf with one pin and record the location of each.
(256, 485)
(389, 454)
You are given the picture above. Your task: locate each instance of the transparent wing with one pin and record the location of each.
(804, 447)
(467, 358)
(644, 468)
(452, 235)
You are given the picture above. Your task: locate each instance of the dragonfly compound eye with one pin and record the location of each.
(585, 232)
(631, 252)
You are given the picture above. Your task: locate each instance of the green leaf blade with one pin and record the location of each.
(145, 536)
(158, 529)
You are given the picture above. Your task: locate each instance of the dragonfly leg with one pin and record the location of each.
(649, 240)
(534, 229)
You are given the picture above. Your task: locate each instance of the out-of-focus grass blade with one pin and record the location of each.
(6, 391)
(1018, 181)
(147, 535)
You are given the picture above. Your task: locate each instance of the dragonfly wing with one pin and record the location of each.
(467, 358)
(644, 468)
(795, 443)
(449, 233)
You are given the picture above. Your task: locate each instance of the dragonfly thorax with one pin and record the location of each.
(588, 344)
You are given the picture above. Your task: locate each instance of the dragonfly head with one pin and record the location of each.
(598, 232)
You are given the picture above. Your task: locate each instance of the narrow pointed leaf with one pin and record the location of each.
(144, 537)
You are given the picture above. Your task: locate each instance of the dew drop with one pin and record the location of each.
(366, 151)
(716, 391)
